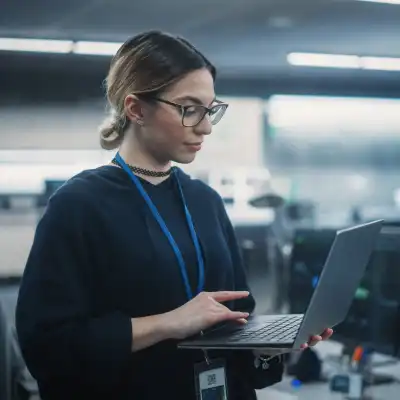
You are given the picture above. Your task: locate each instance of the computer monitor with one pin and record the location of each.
(374, 317)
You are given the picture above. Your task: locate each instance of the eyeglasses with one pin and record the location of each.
(192, 115)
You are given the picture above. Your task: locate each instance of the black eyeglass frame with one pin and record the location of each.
(183, 108)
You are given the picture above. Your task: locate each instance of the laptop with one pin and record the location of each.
(341, 275)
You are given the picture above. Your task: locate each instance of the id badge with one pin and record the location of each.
(211, 380)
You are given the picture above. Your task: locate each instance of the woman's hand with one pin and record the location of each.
(202, 312)
(314, 340)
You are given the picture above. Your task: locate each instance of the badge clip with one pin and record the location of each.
(208, 362)
(206, 357)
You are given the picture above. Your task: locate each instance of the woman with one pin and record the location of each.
(131, 257)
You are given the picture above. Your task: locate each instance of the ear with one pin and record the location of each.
(133, 109)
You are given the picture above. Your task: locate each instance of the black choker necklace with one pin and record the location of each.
(146, 172)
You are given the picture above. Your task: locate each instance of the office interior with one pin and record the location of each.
(310, 145)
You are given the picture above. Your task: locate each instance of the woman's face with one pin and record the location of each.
(176, 123)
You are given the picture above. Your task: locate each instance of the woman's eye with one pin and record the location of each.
(191, 110)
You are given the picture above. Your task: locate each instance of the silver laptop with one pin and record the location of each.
(342, 273)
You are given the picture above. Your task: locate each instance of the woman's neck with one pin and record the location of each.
(133, 155)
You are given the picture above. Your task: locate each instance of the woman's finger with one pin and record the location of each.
(228, 296)
(237, 315)
(327, 334)
(314, 340)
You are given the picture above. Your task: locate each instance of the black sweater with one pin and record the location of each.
(99, 259)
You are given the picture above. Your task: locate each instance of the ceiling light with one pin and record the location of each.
(323, 60)
(397, 2)
(96, 48)
(344, 61)
(59, 46)
(380, 63)
(36, 45)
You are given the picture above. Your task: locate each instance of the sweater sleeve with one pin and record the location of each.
(59, 336)
(243, 361)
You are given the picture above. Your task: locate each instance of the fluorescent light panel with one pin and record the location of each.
(59, 46)
(343, 61)
(36, 45)
(323, 60)
(96, 48)
(396, 2)
(381, 63)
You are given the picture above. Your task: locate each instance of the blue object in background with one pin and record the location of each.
(296, 384)
(315, 281)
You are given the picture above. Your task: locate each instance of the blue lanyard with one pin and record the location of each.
(167, 233)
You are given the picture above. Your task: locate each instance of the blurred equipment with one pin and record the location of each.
(306, 367)
(356, 215)
(16, 383)
(262, 229)
(268, 200)
(50, 187)
(373, 320)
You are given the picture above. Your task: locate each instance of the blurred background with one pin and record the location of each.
(310, 143)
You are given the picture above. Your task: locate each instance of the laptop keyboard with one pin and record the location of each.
(283, 330)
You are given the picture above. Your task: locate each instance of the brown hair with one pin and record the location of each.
(147, 63)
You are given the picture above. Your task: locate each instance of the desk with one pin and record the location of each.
(320, 390)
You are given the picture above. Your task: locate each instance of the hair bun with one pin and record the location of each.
(110, 135)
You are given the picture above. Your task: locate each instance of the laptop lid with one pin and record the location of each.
(339, 280)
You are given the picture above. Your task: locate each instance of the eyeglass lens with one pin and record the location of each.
(194, 114)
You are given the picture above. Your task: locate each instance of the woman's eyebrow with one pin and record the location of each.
(193, 99)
